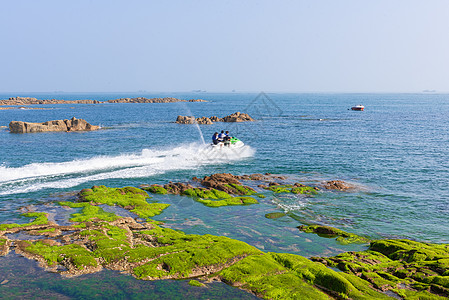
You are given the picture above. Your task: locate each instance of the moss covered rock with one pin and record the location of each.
(196, 283)
(216, 198)
(412, 270)
(130, 198)
(330, 232)
(275, 215)
(40, 218)
(228, 201)
(288, 276)
(156, 189)
(100, 239)
(297, 188)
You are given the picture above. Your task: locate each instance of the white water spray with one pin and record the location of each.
(196, 124)
(149, 162)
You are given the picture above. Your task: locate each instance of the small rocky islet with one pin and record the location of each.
(67, 125)
(144, 248)
(235, 117)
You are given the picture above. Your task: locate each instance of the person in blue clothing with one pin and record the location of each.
(215, 140)
(221, 136)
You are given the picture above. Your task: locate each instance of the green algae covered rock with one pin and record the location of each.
(156, 189)
(343, 237)
(196, 283)
(228, 201)
(91, 212)
(130, 198)
(275, 215)
(289, 276)
(79, 256)
(297, 188)
(187, 255)
(412, 270)
(145, 250)
(239, 189)
(40, 218)
(206, 193)
(216, 198)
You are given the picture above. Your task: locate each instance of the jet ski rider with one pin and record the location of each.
(215, 138)
(221, 136)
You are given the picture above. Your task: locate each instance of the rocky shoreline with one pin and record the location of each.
(32, 101)
(73, 124)
(144, 248)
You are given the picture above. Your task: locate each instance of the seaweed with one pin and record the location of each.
(40, 219)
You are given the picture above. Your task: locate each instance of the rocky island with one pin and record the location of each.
(31, 100)
(235, 117)
(73, 124)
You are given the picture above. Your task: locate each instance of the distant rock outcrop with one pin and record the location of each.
(30, 100)
(235, 117)
(153, 100)
(73, 124)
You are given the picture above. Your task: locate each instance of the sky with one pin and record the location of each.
(220, 46)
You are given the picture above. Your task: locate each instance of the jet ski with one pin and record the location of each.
(232, 143)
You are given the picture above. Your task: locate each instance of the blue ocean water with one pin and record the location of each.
(394, 153)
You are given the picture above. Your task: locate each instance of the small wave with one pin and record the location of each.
(149, 162)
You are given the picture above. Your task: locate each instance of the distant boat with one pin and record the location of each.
(358, 107)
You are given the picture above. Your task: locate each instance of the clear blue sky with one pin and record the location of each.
(291, 46)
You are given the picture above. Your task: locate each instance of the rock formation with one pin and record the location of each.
(57, 125)
(337, 185)
(30, 100)
(235, 117)
(153, 100)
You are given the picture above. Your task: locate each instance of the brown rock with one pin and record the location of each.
(221, 181)
(337, 185)
(204, 121)
(177, 187)
(57, 125)
(30, 100)
(237, 117)
(185, 120)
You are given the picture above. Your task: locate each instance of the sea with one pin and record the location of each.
(394, 153)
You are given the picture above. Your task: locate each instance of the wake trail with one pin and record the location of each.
(149, 162)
